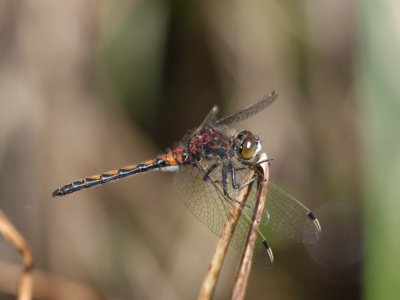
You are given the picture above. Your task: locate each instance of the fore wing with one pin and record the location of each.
(248, 111)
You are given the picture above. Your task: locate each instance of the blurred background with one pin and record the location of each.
(88, 86)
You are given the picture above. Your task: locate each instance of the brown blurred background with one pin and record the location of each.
(88, 86)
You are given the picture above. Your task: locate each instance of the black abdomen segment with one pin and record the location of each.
(108, 176)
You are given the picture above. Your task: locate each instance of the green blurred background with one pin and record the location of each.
(88, 86)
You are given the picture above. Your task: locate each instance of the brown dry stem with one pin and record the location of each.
(209, 282)
(12, 235)
(47, 286)
(242, 276)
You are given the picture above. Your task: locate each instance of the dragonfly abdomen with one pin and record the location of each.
(168, 161)
(98, 179)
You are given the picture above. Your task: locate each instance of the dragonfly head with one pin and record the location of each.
(249, 145)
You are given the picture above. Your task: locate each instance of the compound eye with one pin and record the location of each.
(242, 135)
(250, 147)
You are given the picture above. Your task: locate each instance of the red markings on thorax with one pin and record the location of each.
(210, 138)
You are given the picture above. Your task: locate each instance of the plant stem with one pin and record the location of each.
(242, 276)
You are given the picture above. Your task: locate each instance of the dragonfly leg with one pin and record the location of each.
(235, 184)
(224, 181)
(225, 184)
(207, 177)
(248, 164)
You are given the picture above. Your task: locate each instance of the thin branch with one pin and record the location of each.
(48, 286)
(11, 234)
(209, 282)
(242, 276)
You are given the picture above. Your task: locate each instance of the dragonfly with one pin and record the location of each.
(213, 164)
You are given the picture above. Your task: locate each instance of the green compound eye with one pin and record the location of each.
(249, 147)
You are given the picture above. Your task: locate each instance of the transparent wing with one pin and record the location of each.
(206, 201)
(210, 118)
(284, 214)
(248, 111)
(201, 198)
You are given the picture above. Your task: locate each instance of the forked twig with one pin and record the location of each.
(209, 282)
(242, 276)
(11, 234)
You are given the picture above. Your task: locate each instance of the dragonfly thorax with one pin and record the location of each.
(210, 143)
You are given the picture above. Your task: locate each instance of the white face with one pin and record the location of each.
(259, 147)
